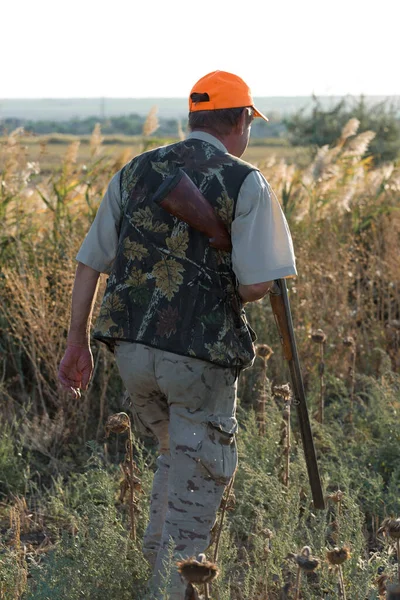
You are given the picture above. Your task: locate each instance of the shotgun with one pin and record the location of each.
(179, 196)
(279, 300)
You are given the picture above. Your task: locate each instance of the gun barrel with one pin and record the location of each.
(281, 308)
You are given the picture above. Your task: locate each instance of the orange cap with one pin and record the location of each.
(224, 90)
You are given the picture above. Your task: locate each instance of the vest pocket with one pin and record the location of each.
(218, 450)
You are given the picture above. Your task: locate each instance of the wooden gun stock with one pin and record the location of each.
(278, 309)
(179, 196)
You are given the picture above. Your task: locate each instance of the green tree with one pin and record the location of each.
(323, 126)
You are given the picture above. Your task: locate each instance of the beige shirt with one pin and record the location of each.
(262, 248)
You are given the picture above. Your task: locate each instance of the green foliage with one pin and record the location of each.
(14, 468)
(13, 574)
(94, 556)
(271, 521)
(323, 126)
(99, 562)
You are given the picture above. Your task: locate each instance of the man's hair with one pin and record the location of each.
(222, 120)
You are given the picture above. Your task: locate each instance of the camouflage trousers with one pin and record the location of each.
(189, 405)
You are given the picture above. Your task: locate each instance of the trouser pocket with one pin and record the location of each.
(218, 453)
(138, 425)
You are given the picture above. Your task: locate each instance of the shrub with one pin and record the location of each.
(323, 126)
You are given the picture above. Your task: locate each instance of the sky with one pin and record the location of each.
(160, 48)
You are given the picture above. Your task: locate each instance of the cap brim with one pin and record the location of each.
(257, 113)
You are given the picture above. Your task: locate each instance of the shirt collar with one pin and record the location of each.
(207, 137)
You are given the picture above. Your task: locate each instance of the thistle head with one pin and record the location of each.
(349, 342)
(117, 423)
(336, 497)
(305, 561)
(282, 391)
(198, 571)
(338, 556)
(390, 527)
(264, 351)
(318, 336)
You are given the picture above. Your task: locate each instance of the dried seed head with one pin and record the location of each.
(117, 423)
(151, 123)
(338, 556)
(391, 527)
(181, 133)
(264, 351)
(318, 336)
(328, 278)
(282, 391)
(305, 561)
(71, 154)
(307, 564)
(267, 533)
(349, 342)
(336, 496)
(350, 128)
(96, 140)
(357, 146)
(195, 571)
(394, 592)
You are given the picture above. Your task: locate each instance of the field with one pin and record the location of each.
(49, 150)
(65, 506)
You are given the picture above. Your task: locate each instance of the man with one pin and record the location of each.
(172, 310)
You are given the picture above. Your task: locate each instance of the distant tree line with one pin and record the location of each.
(131, 124)
(318, 127)
(124, 125)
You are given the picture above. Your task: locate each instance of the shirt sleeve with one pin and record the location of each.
(262, 247)
(99, 248)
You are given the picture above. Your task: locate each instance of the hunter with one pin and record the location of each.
(172, 311)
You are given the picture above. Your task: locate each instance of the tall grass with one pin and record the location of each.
(60, 512)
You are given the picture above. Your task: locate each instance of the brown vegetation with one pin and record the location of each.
(343, 213)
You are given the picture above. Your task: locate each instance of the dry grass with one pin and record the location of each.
(49, 150)
(343, 213)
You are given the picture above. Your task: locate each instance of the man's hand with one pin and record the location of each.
(76, 368)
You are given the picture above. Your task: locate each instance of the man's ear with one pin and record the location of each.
(243, 122)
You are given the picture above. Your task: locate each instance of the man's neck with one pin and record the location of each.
(223, 139)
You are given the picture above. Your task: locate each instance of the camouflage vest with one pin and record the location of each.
(168, 288)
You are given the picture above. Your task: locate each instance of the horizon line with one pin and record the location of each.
(311, 95)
